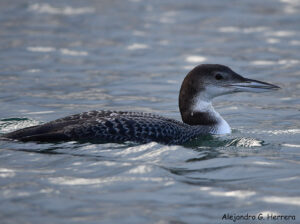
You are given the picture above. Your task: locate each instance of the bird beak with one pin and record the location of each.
(251, 85)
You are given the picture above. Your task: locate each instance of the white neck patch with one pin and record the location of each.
(222, 126)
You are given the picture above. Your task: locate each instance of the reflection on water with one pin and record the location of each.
(63, 57)
(46, 8)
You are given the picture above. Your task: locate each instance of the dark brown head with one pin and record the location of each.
(207, 81)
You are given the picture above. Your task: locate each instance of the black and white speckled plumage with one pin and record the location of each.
(199, 87)
(112, 126)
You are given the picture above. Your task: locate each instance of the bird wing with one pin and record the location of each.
(106, 126)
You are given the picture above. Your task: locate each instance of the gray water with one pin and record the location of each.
(62, 57)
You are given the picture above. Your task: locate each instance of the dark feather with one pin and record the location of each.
(111, 126)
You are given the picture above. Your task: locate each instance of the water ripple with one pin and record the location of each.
(68, 10)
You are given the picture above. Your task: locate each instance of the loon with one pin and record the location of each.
(200, 86)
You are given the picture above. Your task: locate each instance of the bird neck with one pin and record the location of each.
(198, 110)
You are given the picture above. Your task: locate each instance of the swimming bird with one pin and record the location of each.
(200, 86)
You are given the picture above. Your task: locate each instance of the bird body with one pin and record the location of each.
(198, 89)
(112, 126)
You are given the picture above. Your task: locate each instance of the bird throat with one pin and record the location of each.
(201, 112)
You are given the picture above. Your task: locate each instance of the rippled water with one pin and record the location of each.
(64, 57)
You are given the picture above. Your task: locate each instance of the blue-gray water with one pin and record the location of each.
(62, 57)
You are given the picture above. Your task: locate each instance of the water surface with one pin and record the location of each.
(64, 57)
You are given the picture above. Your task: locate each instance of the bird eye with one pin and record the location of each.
(218, 77)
